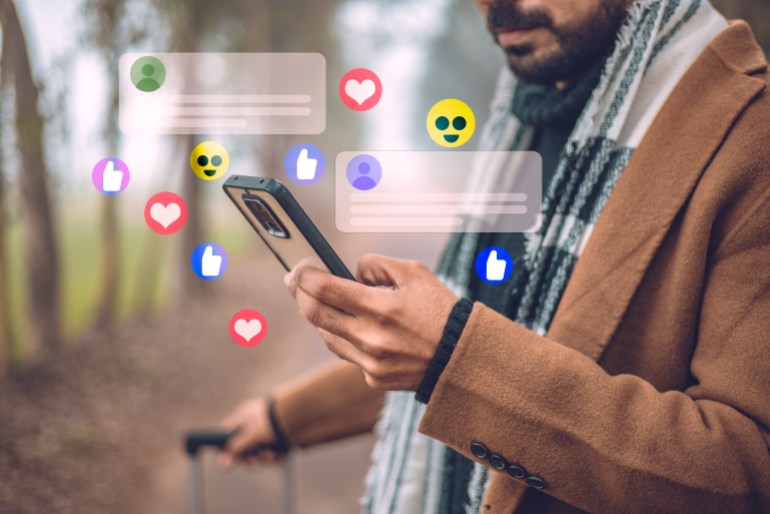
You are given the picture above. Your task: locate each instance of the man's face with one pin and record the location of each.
(548, 41)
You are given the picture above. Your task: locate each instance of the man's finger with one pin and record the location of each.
(236, 446)
(324, 316)
(347, 350)
(381, 270)
(224, 461)
(270, 455)
(341, 293)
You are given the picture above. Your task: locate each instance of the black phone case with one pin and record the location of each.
(298, 216)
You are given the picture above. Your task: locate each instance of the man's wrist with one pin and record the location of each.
(281, 444)
(458, 317)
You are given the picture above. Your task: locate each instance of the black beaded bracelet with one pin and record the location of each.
(452, 331)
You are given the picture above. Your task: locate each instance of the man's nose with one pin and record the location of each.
(484, 5)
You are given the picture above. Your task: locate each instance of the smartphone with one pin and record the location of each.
(283, 226)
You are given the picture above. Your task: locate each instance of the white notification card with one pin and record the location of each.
(222, 93)
(438, 192)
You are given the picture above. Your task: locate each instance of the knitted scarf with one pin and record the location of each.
(656, 44)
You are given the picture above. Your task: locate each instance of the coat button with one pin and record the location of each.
(536, 482)
(498, 462)
(517, 471)
(479, 450)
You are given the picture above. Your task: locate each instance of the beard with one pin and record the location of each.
(580, 46)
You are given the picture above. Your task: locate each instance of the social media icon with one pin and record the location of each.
(494, 265)
(110, 176)
(209, 160)
(306, 167)
(209, 261)
(305, 164)
(222, 93)
(112, 179)
(364, 172)
(450, 123)
(165, 213)
(360, 89)
(148, 73)
(248, 327)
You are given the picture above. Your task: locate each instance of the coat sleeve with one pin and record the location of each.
(551, 416)
(326, 404)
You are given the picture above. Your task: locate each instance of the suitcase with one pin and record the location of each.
(196, 441)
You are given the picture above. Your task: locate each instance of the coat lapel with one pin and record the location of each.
(654, 186)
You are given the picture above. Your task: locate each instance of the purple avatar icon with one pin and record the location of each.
(364, 172)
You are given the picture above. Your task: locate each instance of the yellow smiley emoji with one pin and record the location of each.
(209, 160)
(450, 123)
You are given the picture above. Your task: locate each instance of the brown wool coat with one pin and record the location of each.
(651, 392)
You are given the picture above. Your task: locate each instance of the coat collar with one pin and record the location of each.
(656, 183)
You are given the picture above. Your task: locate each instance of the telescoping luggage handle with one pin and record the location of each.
(195, 441)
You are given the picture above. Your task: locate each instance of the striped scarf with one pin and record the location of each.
(656, 44)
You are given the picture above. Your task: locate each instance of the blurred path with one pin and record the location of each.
(97, 429)
(328, 479)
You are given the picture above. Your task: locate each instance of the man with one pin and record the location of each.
(625, 366)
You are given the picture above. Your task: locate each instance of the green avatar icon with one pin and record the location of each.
(148, 73)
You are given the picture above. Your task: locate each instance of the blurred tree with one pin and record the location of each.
(267, 151)
(7, 340)
(246, 26)
(41, 261)
(111, 33)
(190, 22)
(301, 26)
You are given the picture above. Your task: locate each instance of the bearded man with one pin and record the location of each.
(625, 366)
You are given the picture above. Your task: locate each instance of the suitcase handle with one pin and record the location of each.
(195, 440)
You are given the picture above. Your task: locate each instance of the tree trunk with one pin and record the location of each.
(192, 235)
(152, 260)
(187, 41)
(41, 253)
(5, 318)
(7, 341)
(6, 332)
(110, 234)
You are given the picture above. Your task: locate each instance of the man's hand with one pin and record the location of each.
(254, 437)
(389, 322)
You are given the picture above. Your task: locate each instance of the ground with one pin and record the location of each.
(97, 426)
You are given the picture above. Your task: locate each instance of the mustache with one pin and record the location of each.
(507, 15)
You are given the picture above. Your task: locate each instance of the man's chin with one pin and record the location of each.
(548, 71)
(533, 74)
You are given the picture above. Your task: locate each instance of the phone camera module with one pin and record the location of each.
(265, 217)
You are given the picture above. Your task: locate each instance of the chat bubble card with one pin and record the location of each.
(222, 93)
(428, 192)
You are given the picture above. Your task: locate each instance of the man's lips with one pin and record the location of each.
(513, 36)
